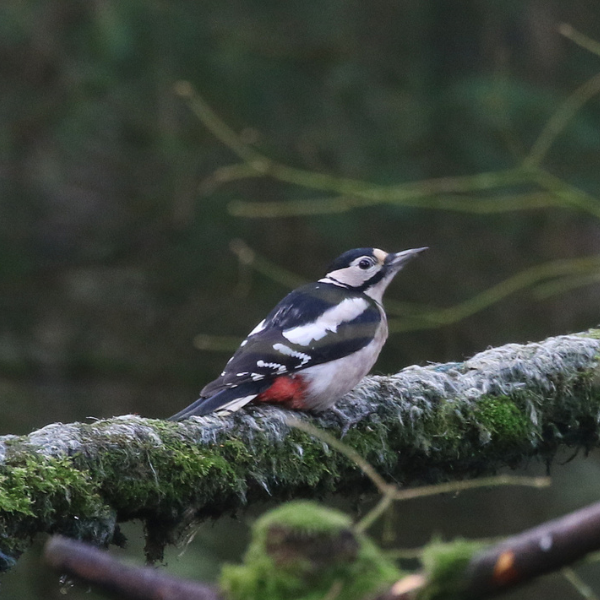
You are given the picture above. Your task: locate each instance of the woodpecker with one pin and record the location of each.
(315, 345)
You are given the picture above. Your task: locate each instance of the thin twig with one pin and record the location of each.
(379, 509)
(565, 284)
(568, 194)
(344, 449)
(471, 484)
(265, 267)
(395, 494)
(581, 586)
(335, 590)
(414, 198)
(219, 128)
(390, 492)
(414, 553)
(354, 192)
(582, 40)
(568, 273)
(440, 193)
(558, 122)
(523, 280)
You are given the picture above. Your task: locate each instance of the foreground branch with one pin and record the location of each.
(535, 552)
(424, 424)
(456, 569)
(96, 567)
(320, 550)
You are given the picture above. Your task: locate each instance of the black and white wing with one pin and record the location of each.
(314, 324)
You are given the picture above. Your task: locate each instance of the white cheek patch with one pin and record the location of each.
(351, 276)
(329, 321)
(289, 352)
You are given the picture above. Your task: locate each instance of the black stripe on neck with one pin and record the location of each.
(371, 282)
(339, 283)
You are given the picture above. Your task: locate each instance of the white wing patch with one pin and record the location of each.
(330, 320)
(271, 365)
(289, 352)
(234, 405)
(258, 328)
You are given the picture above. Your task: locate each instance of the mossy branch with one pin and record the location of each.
(424, 424)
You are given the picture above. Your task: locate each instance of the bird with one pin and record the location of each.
(315, 345)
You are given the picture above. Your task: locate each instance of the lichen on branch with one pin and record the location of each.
(424, 424)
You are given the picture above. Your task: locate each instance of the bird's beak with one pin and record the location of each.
(395, 261)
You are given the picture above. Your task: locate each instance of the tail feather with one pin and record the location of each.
(226, 401)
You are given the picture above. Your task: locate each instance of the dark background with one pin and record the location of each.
(115, 253)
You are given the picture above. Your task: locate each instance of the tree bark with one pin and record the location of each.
(424, 424)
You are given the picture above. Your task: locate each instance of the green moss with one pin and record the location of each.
(44, 487)
(50, 494)
(369, 443)
(14, 493)
(303, 517)
(298, 459)
(503, 420)
(592, 333)
(303, 551)
(444, 567)
(447, 424)
(165, 476)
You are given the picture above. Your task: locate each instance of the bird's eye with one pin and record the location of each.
(365, 263)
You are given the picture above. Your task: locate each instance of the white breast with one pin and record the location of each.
(328, 382)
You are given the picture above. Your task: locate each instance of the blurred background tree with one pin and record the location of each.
(115, 242)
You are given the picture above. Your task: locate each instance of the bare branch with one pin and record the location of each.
(98, 568)
(457, 193)
(541, 550)
(459, 569)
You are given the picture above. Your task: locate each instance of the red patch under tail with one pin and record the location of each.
(289, 391)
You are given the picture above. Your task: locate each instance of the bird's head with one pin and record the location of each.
(368, 270)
